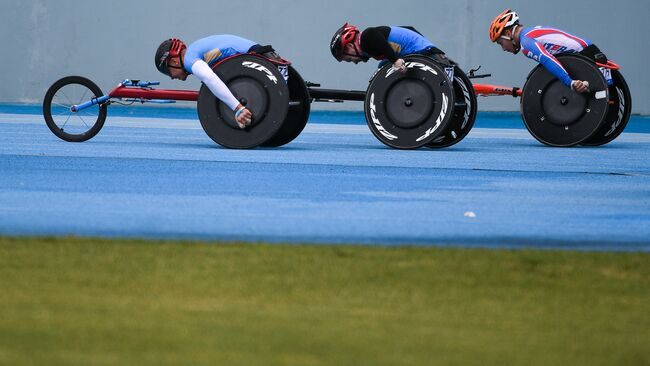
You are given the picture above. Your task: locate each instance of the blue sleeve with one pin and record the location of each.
(534, 50)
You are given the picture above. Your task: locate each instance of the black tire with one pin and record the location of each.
(73, 126)
(464, 115)
(259, 86)
(618, 114)
(298, 114)
(558, 116)
(409, 110)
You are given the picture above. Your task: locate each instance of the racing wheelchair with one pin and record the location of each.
(558, 116)
(555, 115)
(431, 104)
(75, 108)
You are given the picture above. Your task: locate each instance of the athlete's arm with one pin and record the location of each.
(555, 67)
(535, 50)
(203, 72)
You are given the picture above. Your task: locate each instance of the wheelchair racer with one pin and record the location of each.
(541, 44)
(176, 60)
(384, 43)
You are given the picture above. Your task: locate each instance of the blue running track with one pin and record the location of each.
(151, 176)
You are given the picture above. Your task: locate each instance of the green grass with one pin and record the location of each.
(71, 301)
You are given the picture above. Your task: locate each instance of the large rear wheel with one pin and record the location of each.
(618, 114)
(259, 86)
(407, 110)
(464, 115)
(558, 116)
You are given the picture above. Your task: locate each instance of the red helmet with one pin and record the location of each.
(344, 35)
(168, 49)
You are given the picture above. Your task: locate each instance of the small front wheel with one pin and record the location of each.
(62, 121)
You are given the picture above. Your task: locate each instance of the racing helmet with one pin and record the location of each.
(168, 49)
(506, 19)
(344, 35)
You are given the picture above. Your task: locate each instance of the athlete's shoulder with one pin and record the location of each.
(556, 35)
(375, 33)
(541, 30)
(405, 29)
(532, 31)
(377, 29)
(525, 37)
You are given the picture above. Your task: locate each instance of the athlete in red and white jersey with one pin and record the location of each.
(541, 44)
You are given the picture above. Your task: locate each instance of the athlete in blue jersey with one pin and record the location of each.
(177, 61)
(541, 44)
(381, 43)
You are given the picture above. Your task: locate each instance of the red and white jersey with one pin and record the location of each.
(542, 43)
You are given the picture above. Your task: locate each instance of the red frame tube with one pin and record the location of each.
(609, 65)
(487, 89)
(122, 91)
(190, 95)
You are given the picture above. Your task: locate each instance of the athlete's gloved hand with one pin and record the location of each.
(580, 86)
(399, 65)
(243, 116)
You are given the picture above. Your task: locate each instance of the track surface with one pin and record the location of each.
(164, 178)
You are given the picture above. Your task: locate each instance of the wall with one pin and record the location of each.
(108, 41)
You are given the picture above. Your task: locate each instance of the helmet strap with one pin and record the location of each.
(512, 38)
(364, 56)
(514, 43)
(356, 49)
(180, 60)
(514, 31)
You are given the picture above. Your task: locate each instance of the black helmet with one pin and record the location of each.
(168, 49)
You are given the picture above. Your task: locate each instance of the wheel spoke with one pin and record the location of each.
(81, 100)
(82, 120)
(66, 121)
(79, 114)
(88, 113)
(63, 113)
(66, 96)
(61, 105)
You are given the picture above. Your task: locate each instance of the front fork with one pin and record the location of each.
(90, 103)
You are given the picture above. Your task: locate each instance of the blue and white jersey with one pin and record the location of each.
(542, 43)
(212, 49)
(405, 41)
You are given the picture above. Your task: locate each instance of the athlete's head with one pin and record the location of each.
(345, 45)
(168, 58)
(502, 30)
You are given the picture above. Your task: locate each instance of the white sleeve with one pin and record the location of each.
(203, 72)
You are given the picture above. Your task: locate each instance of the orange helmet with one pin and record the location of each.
(504, 20)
